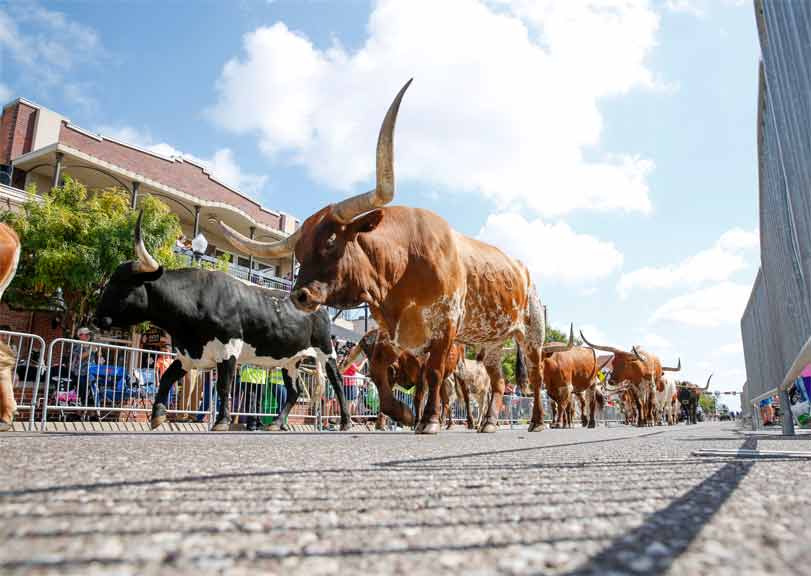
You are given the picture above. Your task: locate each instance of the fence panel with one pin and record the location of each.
(777, 320)
(28, 369)
(92, 381)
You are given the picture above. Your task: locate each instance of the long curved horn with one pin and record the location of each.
(278, 249)
(353, 355)
(638, 354)
(144, 260)
(707, 387)
(676, 369)
(603, 348)
(346, 210)
(594, 372)
(553, 347)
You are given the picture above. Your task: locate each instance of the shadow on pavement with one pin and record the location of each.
(661, 539)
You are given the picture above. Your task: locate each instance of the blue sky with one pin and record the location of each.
(610, 145)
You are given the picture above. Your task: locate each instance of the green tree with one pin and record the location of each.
(707, 403)
(74, 239)
(555, 335)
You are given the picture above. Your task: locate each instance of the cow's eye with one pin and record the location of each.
(331, 241)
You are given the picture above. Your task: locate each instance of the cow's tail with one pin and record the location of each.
(600, 398)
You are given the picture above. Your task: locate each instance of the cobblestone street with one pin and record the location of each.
(563, 501)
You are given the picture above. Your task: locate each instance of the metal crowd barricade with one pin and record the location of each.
(28, 370)
(362, 399)
(105, 382)
(256, 392)
(92, 381)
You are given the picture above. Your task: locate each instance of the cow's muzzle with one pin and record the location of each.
(304, 300)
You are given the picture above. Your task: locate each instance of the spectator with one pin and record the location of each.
(81, 357)
(253, 379)
(163, 361)
(767, 411)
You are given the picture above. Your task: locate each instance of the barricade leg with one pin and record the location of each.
(788, 417)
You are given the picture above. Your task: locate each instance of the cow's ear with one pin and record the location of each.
(365, 223)
(150, 276)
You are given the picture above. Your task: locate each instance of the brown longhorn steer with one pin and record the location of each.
(472, 380)
(389, 365)
(641, 370)
(572, 372)
(9, 258)
(426, 284)
(689, 395)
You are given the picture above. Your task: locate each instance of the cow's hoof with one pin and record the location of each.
(535, 427)
(222, 425)
(158, 416)
(592, 424)
(489, 428)
(430, 428)
(277, 426)
(5, 426)
(346, 426)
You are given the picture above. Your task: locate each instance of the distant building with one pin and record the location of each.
(39, 146)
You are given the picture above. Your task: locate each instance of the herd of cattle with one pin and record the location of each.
(432, 291)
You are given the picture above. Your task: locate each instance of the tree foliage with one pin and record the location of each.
(555, 335)
(707, 403)
(74, 239)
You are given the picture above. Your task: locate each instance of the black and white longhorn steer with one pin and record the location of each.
(217, 320)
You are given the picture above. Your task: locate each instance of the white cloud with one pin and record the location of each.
(709, 307)
(655, 342)
(551, 251)
(222, 165)
(5, 93)
(718, 263)
(504, 103)
(48, 46)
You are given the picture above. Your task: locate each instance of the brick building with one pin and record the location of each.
(38, 146)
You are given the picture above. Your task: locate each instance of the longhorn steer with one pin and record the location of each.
(9, 258)
(572, 372)
(663, 394)
(689, 395)
(426, 284)
(217, 320)
(389, 365)
(472, 380)
(641, 370)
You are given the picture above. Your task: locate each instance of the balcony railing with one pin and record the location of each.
(237, 271)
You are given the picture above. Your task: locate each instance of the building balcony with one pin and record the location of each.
(257, 277)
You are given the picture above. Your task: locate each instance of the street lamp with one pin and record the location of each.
(56, 304)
